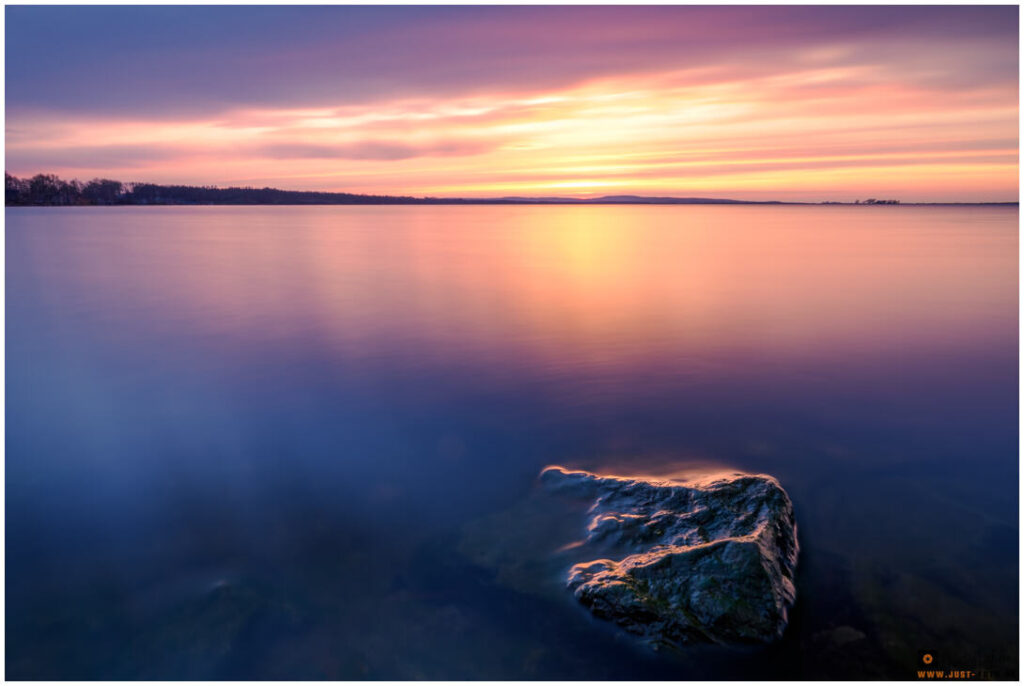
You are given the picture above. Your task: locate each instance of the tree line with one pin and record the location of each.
(49, 189)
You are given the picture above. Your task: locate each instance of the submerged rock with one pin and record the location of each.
(707, 560)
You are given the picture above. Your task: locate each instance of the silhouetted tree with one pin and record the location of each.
(44, 189)
(102, 192)
(15, 190)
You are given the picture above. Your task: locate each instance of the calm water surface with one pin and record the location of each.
(302, 442)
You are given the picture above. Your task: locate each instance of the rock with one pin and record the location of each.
(707, 560)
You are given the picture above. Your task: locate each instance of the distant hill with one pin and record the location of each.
(633, 200)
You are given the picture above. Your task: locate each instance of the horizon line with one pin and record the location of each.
(374, 198)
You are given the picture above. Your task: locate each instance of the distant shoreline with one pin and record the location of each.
(48, 190)
(460, 202)
(497, 201)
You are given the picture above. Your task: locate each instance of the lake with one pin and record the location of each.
(303, 442)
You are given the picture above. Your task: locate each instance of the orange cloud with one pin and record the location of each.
(813, 132)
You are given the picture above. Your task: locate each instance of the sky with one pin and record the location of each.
(789, 103)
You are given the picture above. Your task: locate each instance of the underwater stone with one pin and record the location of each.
(711, 560)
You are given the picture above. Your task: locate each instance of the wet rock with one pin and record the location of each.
(704, 560)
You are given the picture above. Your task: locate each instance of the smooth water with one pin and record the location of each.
(302, 442)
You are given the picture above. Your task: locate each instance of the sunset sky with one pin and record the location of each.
(789, 103)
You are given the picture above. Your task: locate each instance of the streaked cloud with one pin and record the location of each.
(790, 103)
